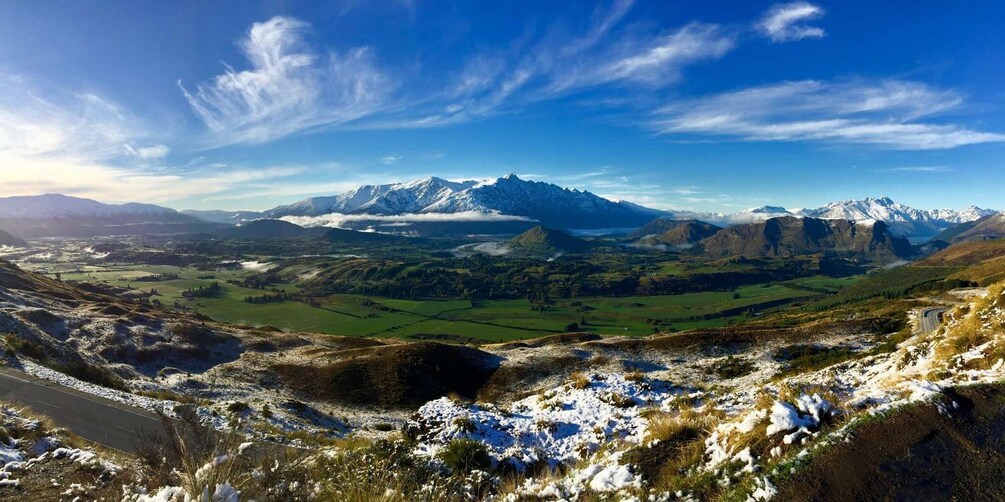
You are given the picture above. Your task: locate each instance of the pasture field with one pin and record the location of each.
(484, 320)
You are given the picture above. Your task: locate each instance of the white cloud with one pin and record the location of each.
(390, 159)
(339, 220)
(46, 124)
(290, 87)
(33, 175)
(915, 169)
(785, 22)
(151, 152)
(883, 113)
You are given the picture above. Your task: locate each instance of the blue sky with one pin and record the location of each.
(708, 106)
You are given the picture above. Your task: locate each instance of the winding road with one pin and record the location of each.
(108, 423)
(931, 318)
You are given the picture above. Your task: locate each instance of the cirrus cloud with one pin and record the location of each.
(783, 22)
(290, 87)
(883, 113)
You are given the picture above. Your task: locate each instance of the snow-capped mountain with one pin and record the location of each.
(552, 205)
(546, 203)
(902, 220)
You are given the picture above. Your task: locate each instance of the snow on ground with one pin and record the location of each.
(557, 427)
(19, 457)
(588, 426)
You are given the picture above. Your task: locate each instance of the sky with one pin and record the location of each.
(711, 106)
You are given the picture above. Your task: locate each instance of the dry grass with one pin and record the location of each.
(579, 381)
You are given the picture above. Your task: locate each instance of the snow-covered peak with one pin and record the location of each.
(545, 202)
(766, 210)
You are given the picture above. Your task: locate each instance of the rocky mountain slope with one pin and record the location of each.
(679, 233)
(791, 236)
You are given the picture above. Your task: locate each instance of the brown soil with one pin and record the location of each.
(918, 453)
(396, 376)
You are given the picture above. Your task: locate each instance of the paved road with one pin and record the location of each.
(931, 319)
(105, 422)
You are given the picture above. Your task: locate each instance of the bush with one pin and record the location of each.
(238, 407)
(466, 455)
(17, 345)
(93, 374)
(732, 367)
(572, 327)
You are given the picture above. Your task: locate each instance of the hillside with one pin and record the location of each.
(987, 228)
(6, 239)
(684, 233)
(790, 236)
(265, 229)
(546, 241)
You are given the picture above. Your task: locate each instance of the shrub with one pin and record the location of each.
(731, 367)
(238, 407)
(466, 455)
(17, 345)
(97, 375)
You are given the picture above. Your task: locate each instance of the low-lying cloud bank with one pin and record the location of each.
(339, 220)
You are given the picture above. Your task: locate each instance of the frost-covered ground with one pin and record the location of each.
(760, 430)
(30, 454)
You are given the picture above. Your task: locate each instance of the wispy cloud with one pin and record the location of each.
(607, 52)
(289, 88)
(883, 113)
(390, 159)
(915, 169)
(148, 152)
(339, 220)
(86, 145)
(786, 22)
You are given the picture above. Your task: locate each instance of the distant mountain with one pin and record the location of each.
(64, 206)
(265, 229)
(985, 229)
(546, 241)
(657, 226)
(791, 236)
(504, 199)
(7, 239)
(902, 220)
(678, 233)
(55, 215)
(230, 217)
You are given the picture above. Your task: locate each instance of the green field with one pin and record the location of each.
(488, 320)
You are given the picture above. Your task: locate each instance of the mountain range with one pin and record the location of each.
(554, 206)
(508, 196)
(56, 215)
(903, 220)
(435, 206)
